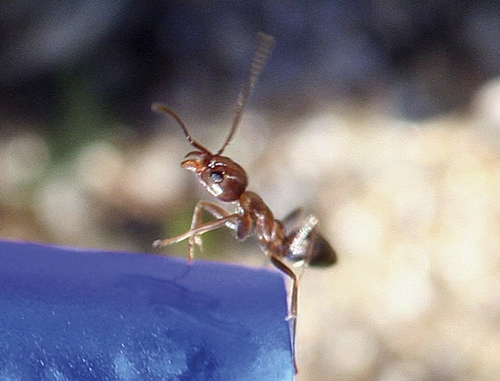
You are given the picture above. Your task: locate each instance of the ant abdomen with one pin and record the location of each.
(321, 253)
(304, 242)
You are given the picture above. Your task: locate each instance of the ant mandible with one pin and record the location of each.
(289, 239)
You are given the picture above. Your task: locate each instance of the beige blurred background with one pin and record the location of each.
(401, 163)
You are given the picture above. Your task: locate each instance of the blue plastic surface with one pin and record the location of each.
(71, 314)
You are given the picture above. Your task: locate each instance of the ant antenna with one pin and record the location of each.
(159, 107)
(264, 48)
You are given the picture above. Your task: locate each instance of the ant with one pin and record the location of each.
(292, 240)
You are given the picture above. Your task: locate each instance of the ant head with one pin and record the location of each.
(219, 175)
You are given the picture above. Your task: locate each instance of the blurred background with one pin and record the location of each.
(381, 117)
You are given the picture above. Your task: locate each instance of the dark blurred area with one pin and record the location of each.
(381, 117)
(424, 58)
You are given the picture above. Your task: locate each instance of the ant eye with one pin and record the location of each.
(216, 176)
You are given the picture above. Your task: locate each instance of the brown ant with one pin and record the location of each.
(227, 181)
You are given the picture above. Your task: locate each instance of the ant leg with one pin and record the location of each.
(300, 247)
(291, 219)
(203, 228)
(215, 210)
(293, 278)
(292, 315)
(307, 258)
